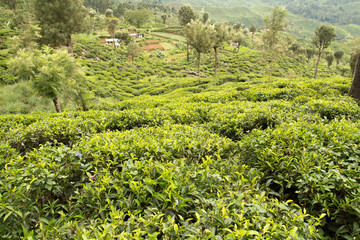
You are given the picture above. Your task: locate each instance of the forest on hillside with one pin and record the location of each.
(332, 11)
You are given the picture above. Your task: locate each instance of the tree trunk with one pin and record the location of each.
(70, 45)
(187, 53)
(355, 86)
(317, 63)
(83, 103)
(57, 104)
(216, 59)
(199, 58)
(270, 69)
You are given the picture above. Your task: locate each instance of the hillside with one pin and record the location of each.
(198, 161)
(330, 11)
(127, 139)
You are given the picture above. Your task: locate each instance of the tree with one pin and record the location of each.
(109, 12)
(199, 36)
(112, 24)
(310, 52)
(220, 36)
(239, 39)
(237, 27)
(99, 5)
(355, 86)
(49, 70)
(138, 17)
(338, 56)
(164, 18)
(329, 59)
(133, 50)
(124, 36)
(186, 14)
(120, 10)
(58, 20)
(273, 25)
(92, 13)
(253, 31)
(205, 17)
(322, 39)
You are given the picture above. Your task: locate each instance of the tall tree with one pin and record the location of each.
(58, 20)
(322, 39)
(199, 36)
(112, 24)
(186, 14)
(355, 86)
(49, 70)
(133, 50)
(273, 25)
(220, 36)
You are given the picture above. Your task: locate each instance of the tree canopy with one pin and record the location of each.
(324, 35)
(186, 14)
(49, 70)
(273, 24)
(138, 17)
(200, 37)
(59, 19)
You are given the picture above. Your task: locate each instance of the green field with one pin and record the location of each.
(169, 36)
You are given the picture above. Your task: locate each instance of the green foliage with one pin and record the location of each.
(323, 37)
(50, 71)
(186, 14)
(133, 50)
(139, 17)
(124, 36)
(273, 24)
(59, 20)
(329, 59)
(338, 56)
(314, 164)
(112, 25)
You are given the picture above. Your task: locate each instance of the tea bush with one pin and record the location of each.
(315, 165)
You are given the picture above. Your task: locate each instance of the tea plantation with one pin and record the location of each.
(231, 158)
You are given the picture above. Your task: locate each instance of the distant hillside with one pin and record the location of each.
(299, 26)
(336, 12)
